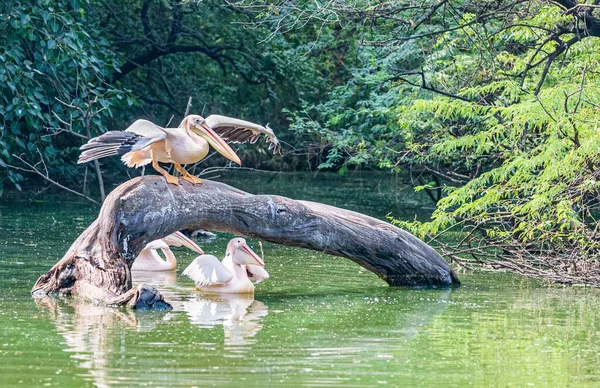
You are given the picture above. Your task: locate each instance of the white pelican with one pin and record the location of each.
(145, 142)
(234, 275)
(149, 260)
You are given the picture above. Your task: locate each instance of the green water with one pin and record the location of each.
(319, 320)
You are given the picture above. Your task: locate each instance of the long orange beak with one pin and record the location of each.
(186, 242)
(216, 142)
(178, 239)
(249, 251)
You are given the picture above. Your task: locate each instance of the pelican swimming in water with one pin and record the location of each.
(234, 275)
(149, 260)
(145, 142)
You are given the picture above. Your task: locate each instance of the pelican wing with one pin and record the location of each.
(207, 270)
(178, 239)
(256, 273)
(241, 131)
(149, 133)
(139, 135)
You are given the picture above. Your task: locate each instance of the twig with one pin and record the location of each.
(187, 108)
(262, 252)
(579, 6)
(429, 14)
(87, 118)
(85, 180)
(564, 46)
(34, 170)
(211, 170)
(88, 114)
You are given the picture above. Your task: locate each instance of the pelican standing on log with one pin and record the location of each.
(149, 260)
(145, 142)
(234, 275)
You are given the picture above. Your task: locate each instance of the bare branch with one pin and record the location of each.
(33, 170)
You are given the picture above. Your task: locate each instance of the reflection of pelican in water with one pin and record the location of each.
(94, 335)
(241, 315)
(233, 275)
(156, 279)
(89, 330)
(97, 339)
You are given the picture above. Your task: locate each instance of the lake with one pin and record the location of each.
(318, 321)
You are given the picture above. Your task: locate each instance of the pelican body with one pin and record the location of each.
(234, 275)
(149, 260)
(145, 142)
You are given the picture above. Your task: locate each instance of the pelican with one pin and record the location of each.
(145, 142)
(149, 260)
(234, 275)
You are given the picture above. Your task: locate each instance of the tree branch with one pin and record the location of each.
(559, 50)
(33, 170)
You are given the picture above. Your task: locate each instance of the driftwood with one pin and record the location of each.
(96, 267)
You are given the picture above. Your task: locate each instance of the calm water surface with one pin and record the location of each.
(319, 320)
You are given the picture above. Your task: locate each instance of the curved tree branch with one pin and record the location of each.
(157, 52)
(96, 267)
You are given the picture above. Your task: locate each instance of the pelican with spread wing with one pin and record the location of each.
(240, 131)
(234, 275)
(145, 142)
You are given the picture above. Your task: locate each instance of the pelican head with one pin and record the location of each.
(197, 124)
(242, 254)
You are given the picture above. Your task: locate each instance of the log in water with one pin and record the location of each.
(97, 266)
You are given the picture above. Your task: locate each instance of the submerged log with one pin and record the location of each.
(97, 266)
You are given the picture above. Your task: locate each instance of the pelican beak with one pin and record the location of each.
(249, 251)
(186, 242)
(216, 142)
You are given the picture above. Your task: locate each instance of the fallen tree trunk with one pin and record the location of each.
(97, 266)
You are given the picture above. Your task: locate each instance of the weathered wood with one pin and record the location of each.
(96, 267)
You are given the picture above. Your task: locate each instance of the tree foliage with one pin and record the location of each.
(491, 107)
(53, 80)
(74, 69)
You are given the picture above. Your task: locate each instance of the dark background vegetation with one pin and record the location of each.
(490, 107)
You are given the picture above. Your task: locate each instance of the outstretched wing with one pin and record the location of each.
(207, 270)
(256, 273)
(241, 131)
(139, 135)
(178, 239)
(147, 128)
